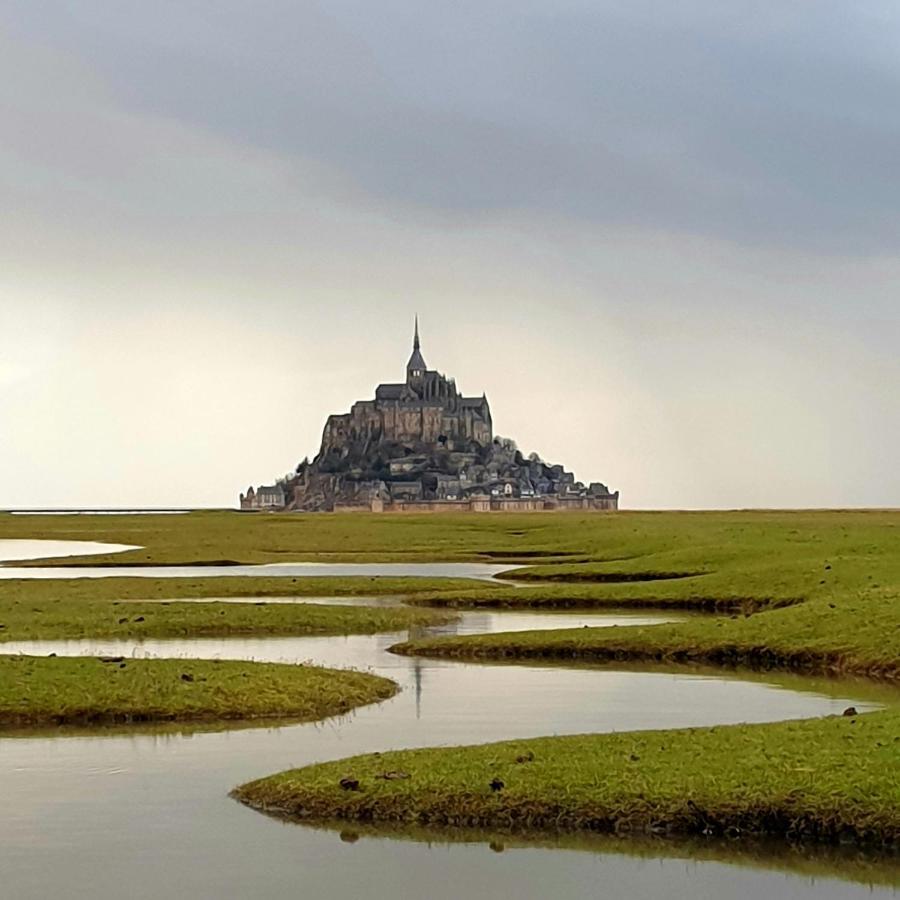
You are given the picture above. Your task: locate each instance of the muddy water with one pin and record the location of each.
(141, 814)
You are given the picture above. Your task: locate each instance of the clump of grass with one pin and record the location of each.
(829, 780)
(567, 595)
(59, 690)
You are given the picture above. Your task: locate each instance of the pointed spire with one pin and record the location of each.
(416, 362)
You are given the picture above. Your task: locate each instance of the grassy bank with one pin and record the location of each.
(31, 610)
(816, 592)
(140, 608)
(751, 543)
(50, 690)
(830, 780)
(812, 592)
(230, 586)
(695, 595)
(857, 633)
(221, 537)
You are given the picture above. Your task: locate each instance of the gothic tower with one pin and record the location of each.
(415, 368)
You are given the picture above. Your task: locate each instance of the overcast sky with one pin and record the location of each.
(663, 238)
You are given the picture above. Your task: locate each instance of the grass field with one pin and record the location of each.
(857, 632)
(811, 591)
(114, 607)
(625, 542)
(808, 591)
(831, 780)
(57, 691)
(219, 537)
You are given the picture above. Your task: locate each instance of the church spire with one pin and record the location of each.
(415, 368)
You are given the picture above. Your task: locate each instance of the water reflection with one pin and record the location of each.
(17, 549)
(270, 570)
(817, 863)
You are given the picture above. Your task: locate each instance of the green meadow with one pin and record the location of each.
(813, 592)
(78, 691)
(136, 608)
(831, 780)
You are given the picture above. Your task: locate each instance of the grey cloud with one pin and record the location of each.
(760, 123)
(655, 221)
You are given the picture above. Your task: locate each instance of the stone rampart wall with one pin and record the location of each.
(485, 504)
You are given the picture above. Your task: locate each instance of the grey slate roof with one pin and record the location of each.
(390, 391)
(416, 361)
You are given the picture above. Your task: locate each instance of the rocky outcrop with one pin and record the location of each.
(369, 473)
(422, 445)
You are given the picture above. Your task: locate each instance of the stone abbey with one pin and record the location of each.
(420, 445)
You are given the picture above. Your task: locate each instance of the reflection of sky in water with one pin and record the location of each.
(17, 549)
(147, 815)
(42, 549)
(270, 570)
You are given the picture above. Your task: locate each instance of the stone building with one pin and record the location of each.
(424, 409)
(264, 497)
(421, 445)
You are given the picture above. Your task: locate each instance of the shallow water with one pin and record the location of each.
(269, 570)
(151, 810)
(137, 813)
(98, 512)
(12, 549)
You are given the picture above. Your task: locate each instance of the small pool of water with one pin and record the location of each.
(15, 549)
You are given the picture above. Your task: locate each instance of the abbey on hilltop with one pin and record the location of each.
(421, 446)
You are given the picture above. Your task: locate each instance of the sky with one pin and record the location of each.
(662, 237)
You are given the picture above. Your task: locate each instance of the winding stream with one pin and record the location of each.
(145, 813)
